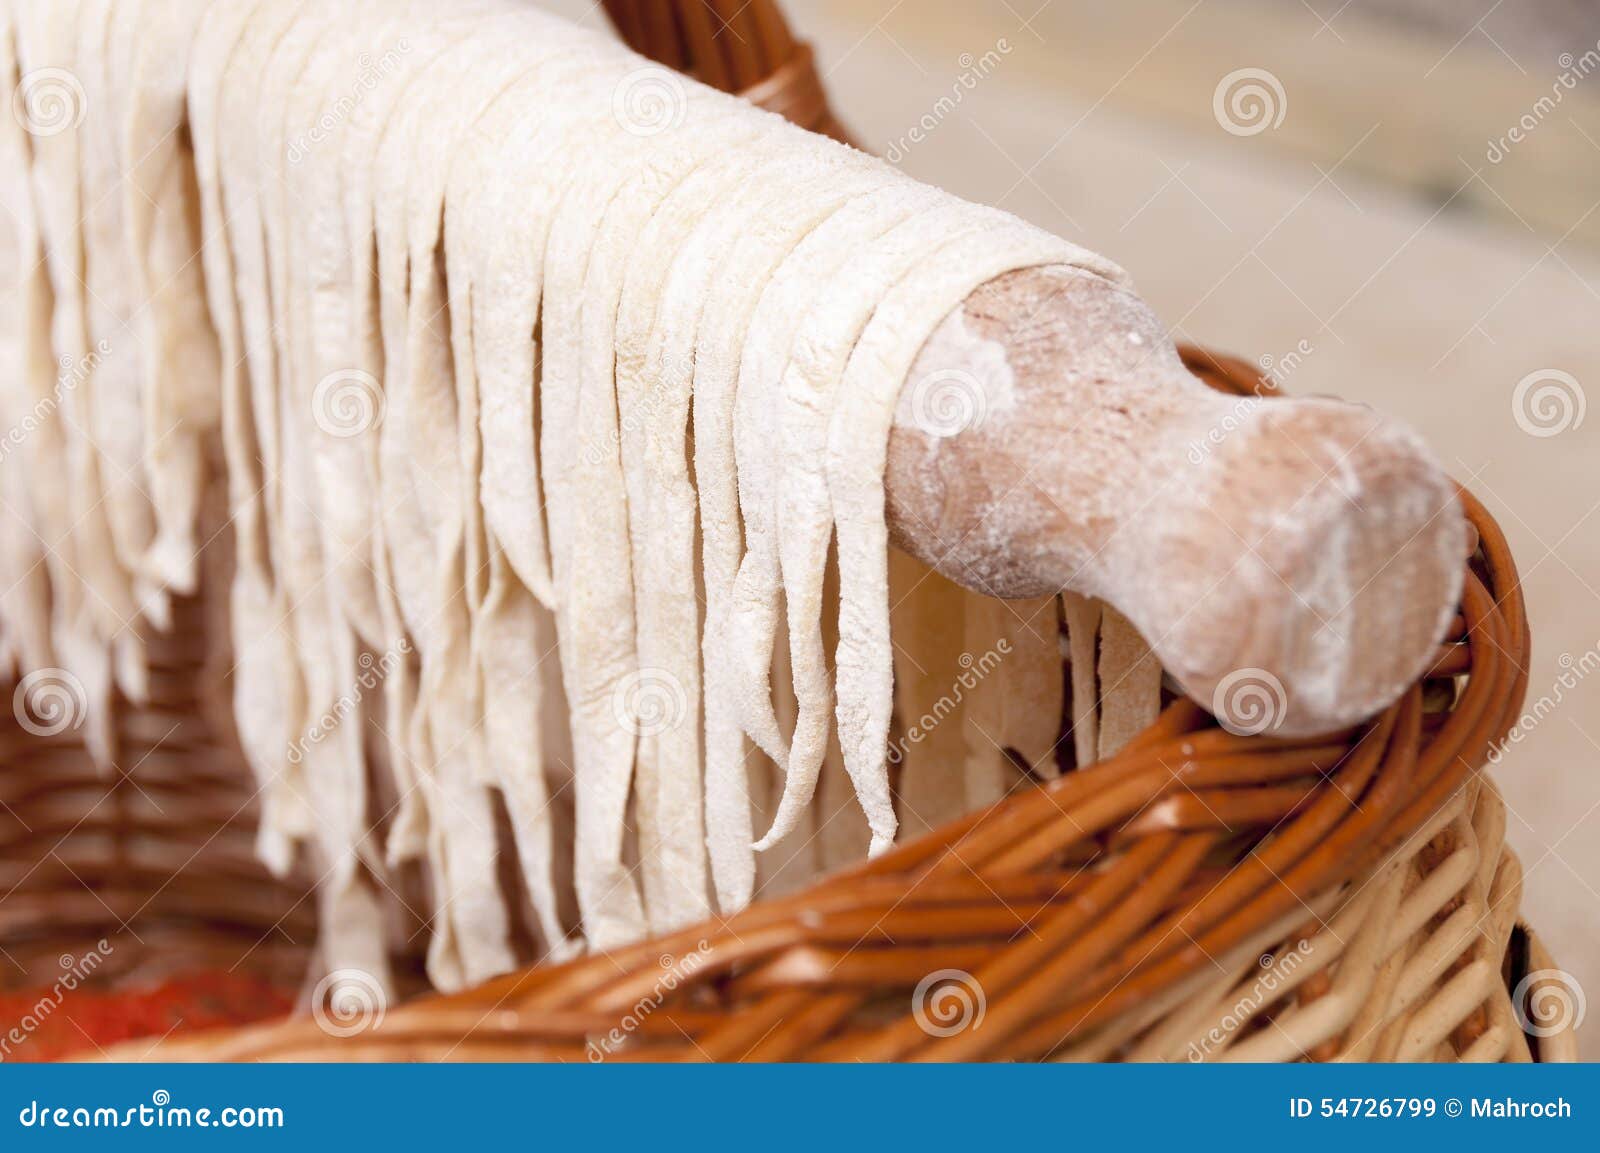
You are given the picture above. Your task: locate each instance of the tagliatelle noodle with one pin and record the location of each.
(495, 257)
(906, 222)
(28, 517)
(458, 707)
(161, 206)
(657, 326)
(259, 655)
(270, 685)
(118, 526)
(857, 450)
(802, 510)
(420, 436)
(821, 183)
(358, 463)
(329, 739)
(667, 803)
(596, 609)
(437, 425)
(89, 598)
(758, 429)
(497, 318)
(664, 301)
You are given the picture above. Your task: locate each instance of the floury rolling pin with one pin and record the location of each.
(1292, 563)
(1299, 558)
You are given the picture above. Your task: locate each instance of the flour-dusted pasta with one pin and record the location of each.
(352, 373)
(260, 655)
(663, 306)
(114, 428)
(421, 468)
(553, 392)
(845, 252)
(270, 672)
(595, 587)
(857, 448)
(25, 516)
(161, 207)
(808, 193)
(89, 595)
(667, 804)
(495, 259)
(821, 353)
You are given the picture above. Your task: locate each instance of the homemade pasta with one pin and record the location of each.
(552, 394)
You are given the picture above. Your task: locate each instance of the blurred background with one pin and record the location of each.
(1393, 201)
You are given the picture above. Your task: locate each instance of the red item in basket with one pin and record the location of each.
(48, 1024)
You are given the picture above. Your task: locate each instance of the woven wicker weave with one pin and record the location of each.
(1200, 895)
(1124, 911)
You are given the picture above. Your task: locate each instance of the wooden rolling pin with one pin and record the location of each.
(1307, 553)
(1064, 446)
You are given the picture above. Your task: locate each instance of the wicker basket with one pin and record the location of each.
(1201, 895)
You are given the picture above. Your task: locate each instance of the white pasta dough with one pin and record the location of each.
(551, 393)
(658, 328)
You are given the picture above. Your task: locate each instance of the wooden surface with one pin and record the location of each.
(1049, 438)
